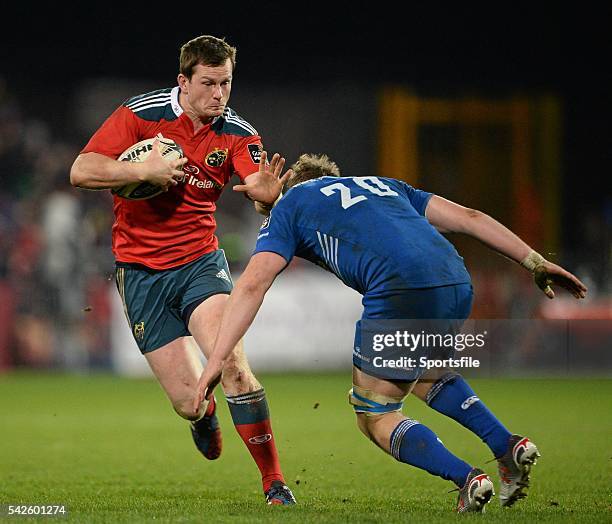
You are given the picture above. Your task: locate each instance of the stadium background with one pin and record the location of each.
(507, 108)
(510, 115)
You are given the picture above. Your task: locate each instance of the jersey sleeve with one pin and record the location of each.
(246, 156)
(277, 234)
(120, 131)
(418, 198)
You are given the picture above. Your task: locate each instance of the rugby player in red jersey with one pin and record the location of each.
(172, 277)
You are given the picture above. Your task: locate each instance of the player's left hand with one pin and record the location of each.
(210, 378)
(548, 274)
(266, 184)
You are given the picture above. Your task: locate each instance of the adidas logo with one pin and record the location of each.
(223, 274)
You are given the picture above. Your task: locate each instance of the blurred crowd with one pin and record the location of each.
(56, 264)
(55, 259)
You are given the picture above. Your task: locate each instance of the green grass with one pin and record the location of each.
(113, 450)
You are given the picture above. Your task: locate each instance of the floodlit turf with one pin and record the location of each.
(112, 450)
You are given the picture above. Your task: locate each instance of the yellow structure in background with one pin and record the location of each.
(498, 155)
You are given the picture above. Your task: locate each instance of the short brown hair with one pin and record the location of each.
(206, 50)
(309, 167)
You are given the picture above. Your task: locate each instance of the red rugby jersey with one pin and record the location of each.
(178, 226)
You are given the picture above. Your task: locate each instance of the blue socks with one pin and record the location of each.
(415, 444)
(452, 396)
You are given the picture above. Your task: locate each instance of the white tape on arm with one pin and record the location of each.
(532, 261)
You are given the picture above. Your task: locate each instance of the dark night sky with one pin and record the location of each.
(525, 49)
(464, 51)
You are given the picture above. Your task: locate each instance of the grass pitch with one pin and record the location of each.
(112, 450)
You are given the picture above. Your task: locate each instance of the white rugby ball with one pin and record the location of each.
(139, 152)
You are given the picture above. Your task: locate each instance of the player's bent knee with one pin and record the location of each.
(185, 409)
(370, 424)
(362, 424)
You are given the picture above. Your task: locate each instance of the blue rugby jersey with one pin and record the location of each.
(370, 232)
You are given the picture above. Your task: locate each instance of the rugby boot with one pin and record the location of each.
(207, 434)
(279, 494)
(514, 468)
(476, 492)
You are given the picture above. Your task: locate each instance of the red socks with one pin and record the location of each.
(252, 420)
(212, 404)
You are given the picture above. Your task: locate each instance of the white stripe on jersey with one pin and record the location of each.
(162, 104)
(326, 247)
(230, 116)
(333, 248)
(329, 246)
(329, 243)
(336, 256)
(153, 103)
(241, 123)
(148, 100)
(249, 130)
(328, 252)
(322, 246)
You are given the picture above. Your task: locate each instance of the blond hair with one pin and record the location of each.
(309, 167)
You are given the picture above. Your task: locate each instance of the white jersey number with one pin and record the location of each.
(371, 183)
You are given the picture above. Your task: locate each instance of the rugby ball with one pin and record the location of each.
(139, 152)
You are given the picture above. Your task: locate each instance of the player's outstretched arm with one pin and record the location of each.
(96, 171)
(450, 217)
(240, 310)
(265, 185)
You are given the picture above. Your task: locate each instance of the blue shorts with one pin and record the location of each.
(159, 303)
(453, 303)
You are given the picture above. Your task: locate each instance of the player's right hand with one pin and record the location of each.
(209, 379)
(548, 274)
(161, 172)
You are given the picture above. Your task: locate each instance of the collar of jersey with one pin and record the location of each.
(174, 101)
(176, 107)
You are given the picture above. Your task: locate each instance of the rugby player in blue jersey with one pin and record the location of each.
(381, 237)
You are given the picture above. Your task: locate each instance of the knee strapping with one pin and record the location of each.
(439, 384)
(371, 403)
